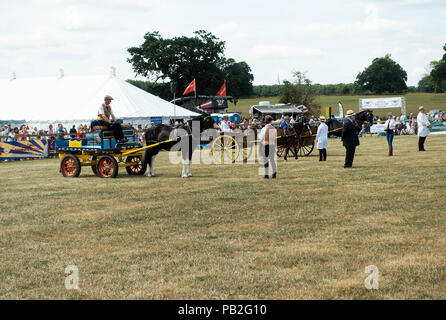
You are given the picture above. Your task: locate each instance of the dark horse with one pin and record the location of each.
(289, 138)
(335, 126)
(182, 139)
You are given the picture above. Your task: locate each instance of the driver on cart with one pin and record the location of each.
(104, 114)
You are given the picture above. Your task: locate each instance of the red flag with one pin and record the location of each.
(190, 88)
(222, 91)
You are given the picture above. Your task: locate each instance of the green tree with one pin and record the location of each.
(383, 76)
(438, 73)
(426, 84)
(182, 59)
(300, 91)
(238, 78)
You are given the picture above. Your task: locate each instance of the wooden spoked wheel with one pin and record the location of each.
(107, 167)
(306, 148)
(70, 166)
(225, 149)
(138, 169)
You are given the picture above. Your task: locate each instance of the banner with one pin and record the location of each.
(381, 103)
(437, 126)
(341, 109)
(23, 149)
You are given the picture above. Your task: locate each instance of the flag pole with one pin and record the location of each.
(195, 91)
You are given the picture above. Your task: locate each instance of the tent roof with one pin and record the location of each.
(79, 97)
(283, 108)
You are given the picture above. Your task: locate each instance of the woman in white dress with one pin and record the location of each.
(322, 139)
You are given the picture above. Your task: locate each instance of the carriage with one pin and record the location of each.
(305, 143)
(99, 150)
(229, 147)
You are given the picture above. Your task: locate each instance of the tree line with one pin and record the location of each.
(179, 60)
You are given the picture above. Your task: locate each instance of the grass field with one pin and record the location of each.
(226, 233)
(413, 101)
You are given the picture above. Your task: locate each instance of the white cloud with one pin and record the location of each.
(284, 52)
(332, 40)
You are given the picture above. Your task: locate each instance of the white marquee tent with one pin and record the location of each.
(76, 99)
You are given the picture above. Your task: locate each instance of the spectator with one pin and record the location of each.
(34, 132)
(311, 120)
(224, 126)
(73, 132)
(140, 133)
(12, 134)
(22, 131)
(4, 133)
(413, 126)
(60, 131)
(80, 131)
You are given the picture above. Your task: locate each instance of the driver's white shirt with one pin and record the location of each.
(224, 127)
(101, 110)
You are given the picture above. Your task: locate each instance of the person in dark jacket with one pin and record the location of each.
(349, 138)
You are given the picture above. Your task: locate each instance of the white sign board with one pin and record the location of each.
(379, 103)
(383, 103)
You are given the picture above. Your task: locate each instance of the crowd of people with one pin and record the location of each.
(393, 126)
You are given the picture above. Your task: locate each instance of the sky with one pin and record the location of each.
(331, 40)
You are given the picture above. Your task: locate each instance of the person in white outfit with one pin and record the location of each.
(322, 139)
(423, 125)
(224, 126)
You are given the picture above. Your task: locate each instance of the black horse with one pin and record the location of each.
(290, 138)
(183, 138)
(335, 126)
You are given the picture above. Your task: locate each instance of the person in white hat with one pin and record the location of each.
(224, 126)
(349, 138)
(108, 119)
(322, 139)
(423, 125)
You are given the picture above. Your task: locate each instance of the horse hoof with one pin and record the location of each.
(189, 175)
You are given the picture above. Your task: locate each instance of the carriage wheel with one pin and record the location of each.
(138, 169)
(107, 167)
(70, 166)
(93, 166)
(280, 151)
(225, 149)
(305, 150)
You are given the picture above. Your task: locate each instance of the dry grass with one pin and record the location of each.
(228, 234)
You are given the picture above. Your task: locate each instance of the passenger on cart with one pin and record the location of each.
(224, 126)
(104, 114)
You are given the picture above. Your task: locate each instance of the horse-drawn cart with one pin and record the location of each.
(228, 147)
(100, 151)
(304, 142)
